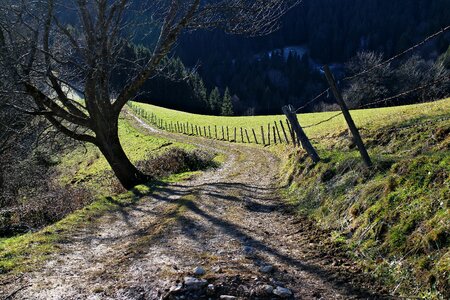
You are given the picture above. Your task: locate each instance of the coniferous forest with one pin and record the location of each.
(264, 73)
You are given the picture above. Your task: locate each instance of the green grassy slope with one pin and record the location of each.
(392, 218)
(368, 117)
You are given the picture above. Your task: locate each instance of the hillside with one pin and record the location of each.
(363, 118)
(393, 219)
(389, 221)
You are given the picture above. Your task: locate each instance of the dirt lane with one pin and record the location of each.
(230, 221)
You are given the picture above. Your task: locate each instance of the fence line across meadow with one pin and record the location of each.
(276, 132)
(293, 134)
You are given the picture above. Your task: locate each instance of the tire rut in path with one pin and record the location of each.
(231, 221)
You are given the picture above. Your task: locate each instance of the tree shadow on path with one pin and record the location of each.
(337, 281)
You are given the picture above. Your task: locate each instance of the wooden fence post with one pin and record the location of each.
(274, 135)
(209, 130)
(284, 132)
(242, 136)
(215, 128)
(262, 134)
(254, 135)
(228, 135)
(351, 124)
(278, 132)
(235, 137)
(246, 134)
(292, 133)
(268, 134)
(292, 117)
(223, 134)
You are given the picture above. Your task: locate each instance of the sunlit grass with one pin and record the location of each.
(363, 118)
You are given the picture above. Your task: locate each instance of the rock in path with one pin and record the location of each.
(249, 252)
(266, 269)
(282, 292)
(199, 271)
(194, 283)
(268, 289)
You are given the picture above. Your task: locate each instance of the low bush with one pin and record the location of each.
(176, 160)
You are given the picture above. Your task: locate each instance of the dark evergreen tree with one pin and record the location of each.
(214, 100)
(227, 104)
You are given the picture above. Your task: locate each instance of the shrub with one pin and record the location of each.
(176, 160)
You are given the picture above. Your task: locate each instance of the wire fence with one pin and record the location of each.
(385, 62)
(276, 132)
(280, 131)
(399, 55)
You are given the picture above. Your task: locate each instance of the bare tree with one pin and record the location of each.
(371, 85)
(406, 76)
(56, 49)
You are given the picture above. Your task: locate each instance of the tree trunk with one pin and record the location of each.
(128, 175)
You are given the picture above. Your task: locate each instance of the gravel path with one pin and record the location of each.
(228, 225)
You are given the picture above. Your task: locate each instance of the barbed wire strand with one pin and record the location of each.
(323, 121)
(442, 79)
(434, 35)
(312, 100)
(404, 93)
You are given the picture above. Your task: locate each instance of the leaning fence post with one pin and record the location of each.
(242, 136)
(348, 117)
(292, 133)
(284, 132)
(246, 134)
(278, 132)
(292, 117)
(254, 135)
